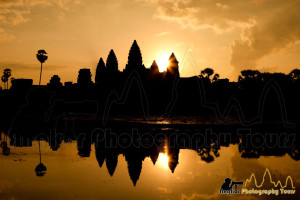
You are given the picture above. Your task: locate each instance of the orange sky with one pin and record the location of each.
(226, 35)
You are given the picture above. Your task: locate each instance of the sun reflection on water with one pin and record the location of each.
(163, 160)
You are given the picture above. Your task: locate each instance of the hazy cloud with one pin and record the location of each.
(8, 3)
(14, 12)
(267, 36)
(4, 36)
(13, 16)
(31, 66)
(268, 26)
(162, 34)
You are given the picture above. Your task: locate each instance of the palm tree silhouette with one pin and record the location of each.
(42, 57)
(5, 77)
(4, 80)
(208, 72)
(40, 169)
(4, 146)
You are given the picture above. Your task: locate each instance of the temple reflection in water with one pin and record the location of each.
(163, 150)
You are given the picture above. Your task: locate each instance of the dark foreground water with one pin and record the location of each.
(112, 175)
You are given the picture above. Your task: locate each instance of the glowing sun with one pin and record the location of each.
(163, 62)
(164, 160)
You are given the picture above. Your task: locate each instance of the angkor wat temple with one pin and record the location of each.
(146, 92)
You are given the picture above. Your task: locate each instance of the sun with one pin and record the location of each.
(163, 62)
(163, 160)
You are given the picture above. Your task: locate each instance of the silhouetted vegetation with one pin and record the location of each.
(5, 77)
(295, 74)
(42, 57)
(207, 73)
(55, 82)
(40, 169)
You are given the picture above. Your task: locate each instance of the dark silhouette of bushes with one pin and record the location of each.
(55, 82)
(206, 75)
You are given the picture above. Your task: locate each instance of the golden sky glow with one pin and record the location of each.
(226, 35)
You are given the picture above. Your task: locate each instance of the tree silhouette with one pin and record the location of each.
(5, 77)
(264, 76)
(4, 146)
(135, 60)
(207, 73)
(216, 78)
(55, 81)
(42, 57)
(40, 169)
(280, 76)
(4, 80)
(99, 71)
(112, 62)
(12, 79)
(250, 75)
(295, 74)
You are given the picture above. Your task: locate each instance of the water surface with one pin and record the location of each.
(70, 176)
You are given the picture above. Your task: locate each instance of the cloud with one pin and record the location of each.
(8, 3)
(31, 66)
(164, 190)
(203, 14)
(267, 26)
(4, 36)
(162, 34)
(15, 12)
(267, 37)
(13, 16)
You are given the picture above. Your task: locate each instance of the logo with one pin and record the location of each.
(226, 187)
(266, 187)
(276, 189)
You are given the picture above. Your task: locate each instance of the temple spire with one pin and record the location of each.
(154, 67)
(112, 62)
(173, 68)
(135, 60)
(100, 70)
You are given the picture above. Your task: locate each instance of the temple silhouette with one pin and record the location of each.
(150, 101)
(108, 151)
(140, 91)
